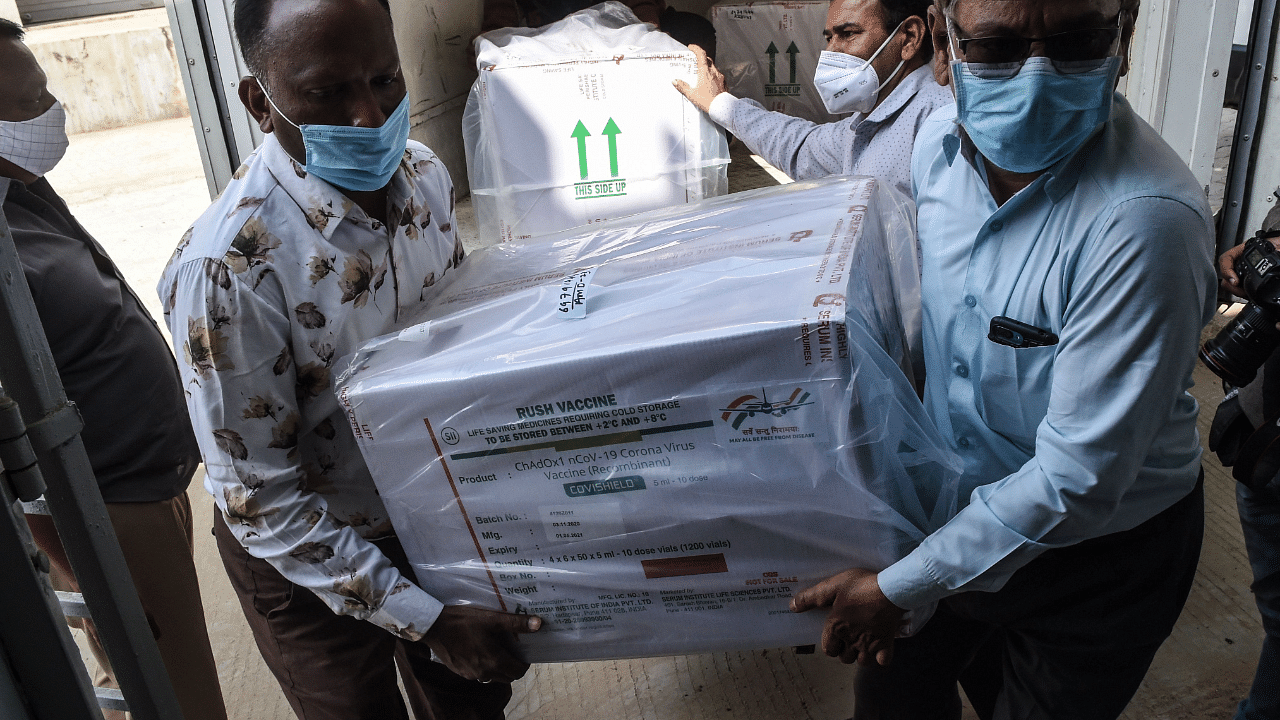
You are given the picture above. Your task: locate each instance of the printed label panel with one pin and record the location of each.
(582, 522)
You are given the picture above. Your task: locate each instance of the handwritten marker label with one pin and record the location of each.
(571, 301)
(418, 333)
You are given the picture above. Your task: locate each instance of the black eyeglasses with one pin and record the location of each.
(1070, 52)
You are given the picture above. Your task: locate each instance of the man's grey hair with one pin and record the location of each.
(1126, 6)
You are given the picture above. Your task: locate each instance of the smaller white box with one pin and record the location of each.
(578, 123)
(768, 52)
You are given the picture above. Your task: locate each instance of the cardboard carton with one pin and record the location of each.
(768, 52)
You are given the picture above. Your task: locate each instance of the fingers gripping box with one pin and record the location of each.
(768, 52)
(578, 122)
(654, 432)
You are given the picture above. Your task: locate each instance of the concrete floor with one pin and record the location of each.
(138, 188)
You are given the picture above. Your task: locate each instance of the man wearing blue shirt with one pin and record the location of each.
(1048, 208)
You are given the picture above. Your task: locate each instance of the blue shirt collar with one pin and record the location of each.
(902, 94)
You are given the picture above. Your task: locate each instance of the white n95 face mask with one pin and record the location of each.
(35, 145)
(848, 83)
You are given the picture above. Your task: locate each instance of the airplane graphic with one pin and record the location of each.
(748, 406)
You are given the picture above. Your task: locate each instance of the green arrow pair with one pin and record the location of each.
(772, 52)
(580, 134)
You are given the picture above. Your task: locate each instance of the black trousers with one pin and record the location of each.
(336, 667)
(1071, 635)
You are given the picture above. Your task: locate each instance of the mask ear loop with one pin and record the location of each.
(953, 49)
(876, 54)
(1119, 32)
(894, 74)
(884, 45)
(952, 44)
(275, 107)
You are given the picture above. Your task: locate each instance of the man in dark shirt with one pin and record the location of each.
(116, 367)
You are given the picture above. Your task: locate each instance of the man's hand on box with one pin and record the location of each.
(861, 624)
(481, 644)
(710, 82)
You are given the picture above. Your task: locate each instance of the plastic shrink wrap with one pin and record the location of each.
(578, 122)
(768, 52)
(653, 432)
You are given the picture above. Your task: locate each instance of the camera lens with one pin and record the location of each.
(1243, 345)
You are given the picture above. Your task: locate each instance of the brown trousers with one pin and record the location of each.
(337, 667)
(156, 539)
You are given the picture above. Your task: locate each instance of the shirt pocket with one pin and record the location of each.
(1013, 393)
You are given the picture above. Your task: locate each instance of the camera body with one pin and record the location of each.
(1247, 341)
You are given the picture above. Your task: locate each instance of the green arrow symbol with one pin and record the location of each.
(772, 52)
(793, 51)
(581, 134)
(611, 129)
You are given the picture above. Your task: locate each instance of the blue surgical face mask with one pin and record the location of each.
(361, 159)
(1025, 119)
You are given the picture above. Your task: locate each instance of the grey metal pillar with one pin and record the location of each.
(28, 374)
(12, 706)
(1247, 146)
(41, 674)
(225, 133)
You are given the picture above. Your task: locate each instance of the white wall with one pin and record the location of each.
(9, 11)
(1179, 73)
(1244, 16)
(1266, 171)
(435, 40)
(114, 72)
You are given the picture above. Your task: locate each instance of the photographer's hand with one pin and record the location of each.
(1227, 268)
(1230, 282)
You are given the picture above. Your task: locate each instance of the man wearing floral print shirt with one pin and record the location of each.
(282, 275)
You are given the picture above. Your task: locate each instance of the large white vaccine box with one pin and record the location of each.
(654, 432)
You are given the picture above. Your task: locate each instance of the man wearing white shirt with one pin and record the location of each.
(330, 234)
(875, 66)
